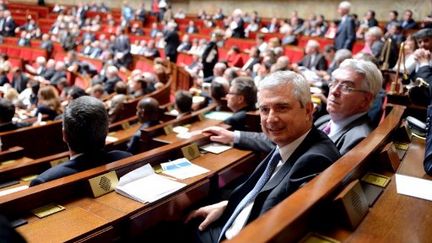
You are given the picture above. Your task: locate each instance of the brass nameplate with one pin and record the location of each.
(191, 151)
(317, 238)
(168, 129)
(201, 117)
(376, 179)
(47, 210)
(103, 184)
(125, 125)
(58, 161)
(7, 162)
(402, 146)
(29, 178)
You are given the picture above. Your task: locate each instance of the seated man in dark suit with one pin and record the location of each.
(7, 112)
(423, 55)
(183, 103)
(148, 115)
(352, 91)
(313, 60)
(241, 98)
(302, 152)
(85, 127)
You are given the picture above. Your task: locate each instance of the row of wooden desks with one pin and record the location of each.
(114, 216)
(394, 217)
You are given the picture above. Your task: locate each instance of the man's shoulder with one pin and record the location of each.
(117, 155)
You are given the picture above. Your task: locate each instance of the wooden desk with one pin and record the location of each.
(114, 216)
(395, 217)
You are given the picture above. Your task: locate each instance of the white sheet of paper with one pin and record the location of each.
(144, 185)
(182, 169)
(218, 115)
(110, 139)
(415, 187)
(215, 148)
(12, 190)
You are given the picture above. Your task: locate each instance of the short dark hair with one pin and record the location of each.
(395, 13)
(7, 110)
(85, 124)
(217, 91)
(245, 86)
(76, 92)
(121, 88)
(183, 101)
(151, 108)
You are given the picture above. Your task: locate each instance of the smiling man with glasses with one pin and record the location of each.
(354, 87)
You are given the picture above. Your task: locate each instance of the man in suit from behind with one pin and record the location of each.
(302, 152)
(353, 89)
(85, 127)
(148, 115)
(345, 35)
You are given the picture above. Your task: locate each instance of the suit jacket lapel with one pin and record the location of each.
(348, 127)
(286, 167)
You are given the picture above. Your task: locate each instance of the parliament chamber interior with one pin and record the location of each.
(215, 121)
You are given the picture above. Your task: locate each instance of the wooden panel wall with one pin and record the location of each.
(283, 8)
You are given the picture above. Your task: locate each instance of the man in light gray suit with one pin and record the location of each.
(345, 35)
(353, 89)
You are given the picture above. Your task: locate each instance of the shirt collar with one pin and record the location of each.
(75, 156)
(287, 150)
(335, 127)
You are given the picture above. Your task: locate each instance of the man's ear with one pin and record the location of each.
(368, 99)
(309, 110)
(64, 136)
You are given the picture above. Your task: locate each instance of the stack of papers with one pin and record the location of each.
(215, 148)
(144, 185)
(182, 169)
(218, 115)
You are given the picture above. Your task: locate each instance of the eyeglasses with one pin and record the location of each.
(345, 86)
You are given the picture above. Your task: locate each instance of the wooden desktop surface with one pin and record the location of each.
(395, 217)
(89, 217)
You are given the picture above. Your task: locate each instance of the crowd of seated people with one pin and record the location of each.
(44, 87)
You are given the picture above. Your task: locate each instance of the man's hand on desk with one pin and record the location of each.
(220, 135)
(210, 214)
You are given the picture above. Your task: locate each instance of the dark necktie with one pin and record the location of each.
(274, 160)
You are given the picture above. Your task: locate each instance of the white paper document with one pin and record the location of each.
(144, 185)
(415, 187)
(182, 169)
(12, 190)
(218, 115)
(215, 148)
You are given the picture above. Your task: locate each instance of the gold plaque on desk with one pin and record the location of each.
(47, 210)
(168, 129)
(201, 117)
(125, 125)
(58, 161)
(376, 179)
(103, 184)
(317, 238)
(353, 204)
(191, 151)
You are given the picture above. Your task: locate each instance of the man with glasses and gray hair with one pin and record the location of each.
(353, 88)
